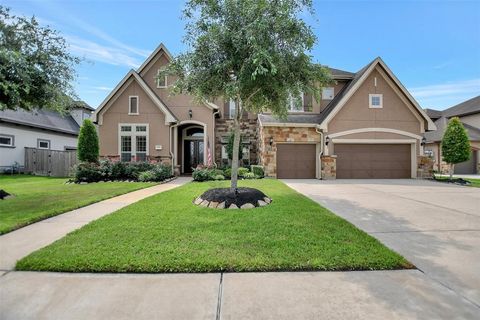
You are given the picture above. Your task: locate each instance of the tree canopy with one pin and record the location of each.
(36, 69)
(455, 143)
(88, 148)
(253, 51)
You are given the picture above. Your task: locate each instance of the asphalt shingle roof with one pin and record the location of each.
(43, 119)
(464, 108)
(291, 118)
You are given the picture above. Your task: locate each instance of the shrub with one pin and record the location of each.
(162, 172)
(249, 175)
(242, 171)
(88, 172)
(455, 144)
(227, 172)
(201, 174)
(258, 171)
(88, 142)
(219, 177)
(146, 176)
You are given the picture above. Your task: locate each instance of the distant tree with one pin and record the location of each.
(88, 142)
(36, 69)
(229, 147)
(253, 52)
(455, 144)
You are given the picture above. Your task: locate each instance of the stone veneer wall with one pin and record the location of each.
(248, 129)
(267, 152)
(329, 167)
(424, 167)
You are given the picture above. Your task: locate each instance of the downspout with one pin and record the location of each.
(212, 146)
(321, 150)
(170, 146)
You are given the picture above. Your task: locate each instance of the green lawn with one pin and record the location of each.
(37, 198)
(474, 182)
(167, 233)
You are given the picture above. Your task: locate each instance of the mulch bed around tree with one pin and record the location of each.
(225, 198)
(459, 181)
(3, 194)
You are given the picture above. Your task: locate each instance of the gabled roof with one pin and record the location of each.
(291, 119)
(462, 109)
(338, 74)
(342, 97)
(441, 123)
(160, 47)
(433, 114)
(169, 117)
(42, 119)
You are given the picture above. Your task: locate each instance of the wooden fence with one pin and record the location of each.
(53, 163)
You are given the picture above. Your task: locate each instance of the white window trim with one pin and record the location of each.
(291, 102)
(372, 95)
(158, 82)
(133, 133)
(43, 140)
(130, 106)
(333, 93)
(12, 140)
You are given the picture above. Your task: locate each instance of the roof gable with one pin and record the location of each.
(347, 92)
(161, 49)
(169, 117)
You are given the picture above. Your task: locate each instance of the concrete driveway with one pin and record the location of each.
(436, 226)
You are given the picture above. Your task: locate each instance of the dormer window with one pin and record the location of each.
(328, 93)
(133, 105)
(161, 80)
(375, 100)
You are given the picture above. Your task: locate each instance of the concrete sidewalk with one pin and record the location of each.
(406, 294)
(17, 244)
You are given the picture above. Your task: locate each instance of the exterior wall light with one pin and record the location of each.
(190, 113)
(270, 141)
(327, 140)
(424, 141)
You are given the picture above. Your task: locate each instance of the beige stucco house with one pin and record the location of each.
(469, 114)
(367, 125)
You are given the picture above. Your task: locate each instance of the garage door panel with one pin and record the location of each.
(373, 161)
(296, 161)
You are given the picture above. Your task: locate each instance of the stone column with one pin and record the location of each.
(424, 167)
(329, 167)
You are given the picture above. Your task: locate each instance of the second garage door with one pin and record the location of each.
(373, 161)
(296, 161)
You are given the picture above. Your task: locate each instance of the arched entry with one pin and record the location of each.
(193, 147)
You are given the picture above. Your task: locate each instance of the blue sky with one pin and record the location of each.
(432, 46)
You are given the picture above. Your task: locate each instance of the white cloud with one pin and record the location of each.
(98, 52)
(101, 88)
(446, 94)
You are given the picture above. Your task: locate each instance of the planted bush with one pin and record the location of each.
(257, 171)
(202, 173)
(242, 172)
(111, 171)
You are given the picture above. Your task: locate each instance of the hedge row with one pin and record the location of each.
(202, 173)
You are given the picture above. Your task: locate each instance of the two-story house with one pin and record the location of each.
(367, 125)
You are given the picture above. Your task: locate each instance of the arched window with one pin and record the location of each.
(194, 132)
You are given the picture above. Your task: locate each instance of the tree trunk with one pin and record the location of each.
(452, 168)
(236, 143)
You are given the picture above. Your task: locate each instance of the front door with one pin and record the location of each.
(193, 154)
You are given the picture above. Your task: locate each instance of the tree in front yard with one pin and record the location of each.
(88, 142)
(455, 144)
(253, 52)
(36, 68)
(229, 147)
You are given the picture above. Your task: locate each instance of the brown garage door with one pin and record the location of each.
(296, 161)
(373, 161)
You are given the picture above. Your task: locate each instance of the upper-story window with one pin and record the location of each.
(162, 81)
(231, 109)
(375, 100)
(6, 140)
(133, 105)
(328, 93)
(295, 104)
(43, 144)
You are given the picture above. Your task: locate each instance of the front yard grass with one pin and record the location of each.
(167, 233)
(473, 182)
(37, 198)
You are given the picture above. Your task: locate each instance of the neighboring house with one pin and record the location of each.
(367, 125)
(42, 129)
(469, 114)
